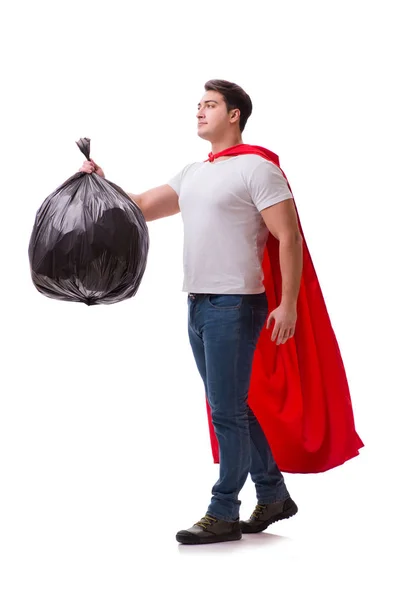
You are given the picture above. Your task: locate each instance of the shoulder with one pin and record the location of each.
(191, 168)
(179, 175)
(254, 161)
(194, 166)
(257, 170)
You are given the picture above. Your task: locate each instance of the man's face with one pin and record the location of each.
(213, 119)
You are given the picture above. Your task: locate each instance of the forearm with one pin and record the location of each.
(291, 265)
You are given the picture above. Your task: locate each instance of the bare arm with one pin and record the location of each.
(281, 220)
(157, 203)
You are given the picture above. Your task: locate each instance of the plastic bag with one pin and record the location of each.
(89, 241)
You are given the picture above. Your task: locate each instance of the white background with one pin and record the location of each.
(104, 445)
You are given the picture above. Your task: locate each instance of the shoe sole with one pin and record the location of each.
(290, 512)
(192, 540)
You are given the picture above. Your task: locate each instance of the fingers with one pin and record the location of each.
(276, 329)
(279, 337)
(270, 319)
(284, 335)
(88, 167)
(281, 332)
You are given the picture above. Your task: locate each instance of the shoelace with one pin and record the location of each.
(206, 521)
(257, 511)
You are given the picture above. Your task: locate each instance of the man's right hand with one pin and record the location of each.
(89, 166)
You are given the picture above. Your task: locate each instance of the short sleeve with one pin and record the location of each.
(176, 181)
(268, 186)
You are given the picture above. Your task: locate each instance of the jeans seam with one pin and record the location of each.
(237, 392)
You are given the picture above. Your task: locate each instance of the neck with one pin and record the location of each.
(227, 142)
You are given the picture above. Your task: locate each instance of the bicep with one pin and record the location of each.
(267, 185)
(281, 219)
(159, 202)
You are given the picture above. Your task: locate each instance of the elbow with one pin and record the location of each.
(291, 239)
(139, 202)
(136, 199)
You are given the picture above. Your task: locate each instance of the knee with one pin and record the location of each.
(234, 418)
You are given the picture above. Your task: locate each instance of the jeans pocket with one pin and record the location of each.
(225, 301)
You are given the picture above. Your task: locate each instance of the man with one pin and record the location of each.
(229, 206)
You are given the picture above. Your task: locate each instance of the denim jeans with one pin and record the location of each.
(223, 333)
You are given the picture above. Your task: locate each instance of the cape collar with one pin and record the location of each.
(245, 149)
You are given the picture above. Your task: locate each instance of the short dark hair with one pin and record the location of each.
(234, 96)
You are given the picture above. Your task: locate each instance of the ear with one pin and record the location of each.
(235, 115)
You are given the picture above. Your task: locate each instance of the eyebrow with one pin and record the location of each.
(206, 102)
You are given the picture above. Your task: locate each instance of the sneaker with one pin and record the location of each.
(209, 530)
(265, 514)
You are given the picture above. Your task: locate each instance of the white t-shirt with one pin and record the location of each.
(224, 232)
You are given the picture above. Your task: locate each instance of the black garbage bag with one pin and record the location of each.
(89, 242)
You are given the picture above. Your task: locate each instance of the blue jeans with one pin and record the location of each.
(223, 333)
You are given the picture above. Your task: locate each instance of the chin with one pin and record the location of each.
(203, 134)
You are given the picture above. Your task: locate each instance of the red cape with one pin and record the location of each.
(298, 390)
